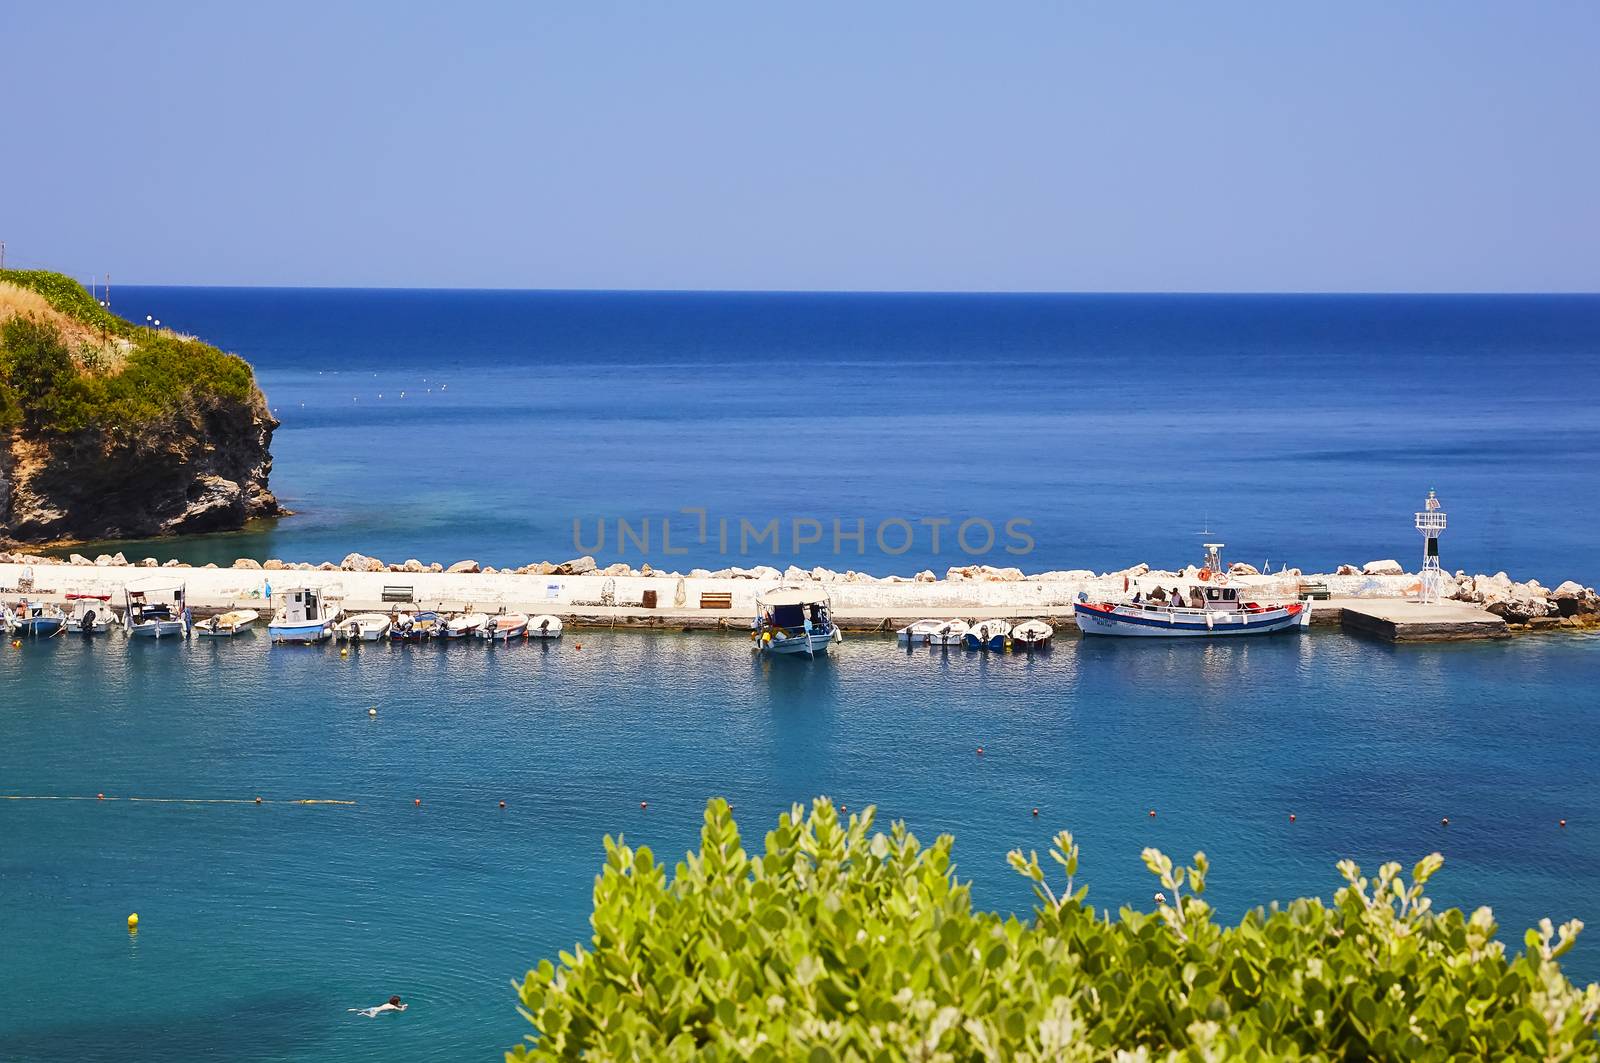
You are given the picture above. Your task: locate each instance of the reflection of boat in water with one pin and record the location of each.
(1032, 635)
(504, 626)
(363, 627)
(544, 626)
(933, 633)
(987, 635)
(305, 616)
(156, 611)
(226, 625)
(790, 620)
(36, 620)
(1215, 609)
(91, 614)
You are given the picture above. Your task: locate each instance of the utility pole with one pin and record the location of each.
(2, 254)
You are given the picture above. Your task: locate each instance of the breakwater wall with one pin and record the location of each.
(581, 592)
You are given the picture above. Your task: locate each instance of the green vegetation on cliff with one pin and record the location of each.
(67, 364)
(837, 943)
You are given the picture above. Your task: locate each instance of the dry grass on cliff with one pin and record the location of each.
(82, 340)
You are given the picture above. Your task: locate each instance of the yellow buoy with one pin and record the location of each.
(133, 921)
(344, 653)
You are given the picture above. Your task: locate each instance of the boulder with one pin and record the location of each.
(354, 562)
(1140, 569)
(173, 564)
(245, 562)
(578, 566)
(464, 566)
(1347, 570)
(621, 568)
(962, 572)
(646, 570)
(119, 560)
(723, 573)
(79, 559)
(489, 570)
(826, 575)
(1000, 575)
(435, 567)
(274, 565)
(211, 564)
(1568, 589)
(544, 568)
(104, 561)
(1388, 567)
(1239, 568)
(149, 562)
(305, 566)
(927, 576)
(765, 572)
(795, 573)
(700, 573)
(327, 566)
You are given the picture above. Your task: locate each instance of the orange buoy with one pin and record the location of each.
(1563, 823)
(980, 751)
(1152, 812)
(99, 797)
(644, 804)
(417, 802)
(258, 800)
(577, 645)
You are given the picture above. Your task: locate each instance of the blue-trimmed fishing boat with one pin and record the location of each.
(1217, 610)
(791, 620)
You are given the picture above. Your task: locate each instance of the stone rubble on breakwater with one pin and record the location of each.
(585, 591)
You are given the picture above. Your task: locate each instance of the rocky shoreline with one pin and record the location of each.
(1524, 605)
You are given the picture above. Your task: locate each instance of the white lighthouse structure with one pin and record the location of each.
(1430, 522)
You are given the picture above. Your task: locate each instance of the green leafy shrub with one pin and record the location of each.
(840, 943)
(69, 297)
(43, 390)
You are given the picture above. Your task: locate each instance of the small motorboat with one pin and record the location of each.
(227, 625)
(794, 620)
(156, 611)
(465, 626)
(91, 614)
(987, 635)
(933, 633)
(363, 627)
(504, 627)
(544, 626)
(306, 615)
(36, 620)
(1032, 635)
(414, 627)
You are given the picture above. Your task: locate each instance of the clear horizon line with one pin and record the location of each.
(1206, 292)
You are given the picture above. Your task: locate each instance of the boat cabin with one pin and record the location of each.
(793, 610)
(303, 605)
(1223, 598)
(152, 604)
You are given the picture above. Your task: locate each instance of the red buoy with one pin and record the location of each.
(1291, 817)
(417, 802)
(1563, 823)
(980, 751)
(99, 797)
(1152, 812)
(1445, 822)
(1036, 811)
(644, 804)
(258, 800)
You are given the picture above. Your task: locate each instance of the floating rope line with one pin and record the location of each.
(179, 800)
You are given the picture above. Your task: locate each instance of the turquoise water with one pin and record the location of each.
(262, 925)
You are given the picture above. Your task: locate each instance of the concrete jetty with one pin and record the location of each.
(1380, 605)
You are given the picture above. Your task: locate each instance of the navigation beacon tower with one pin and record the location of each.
(1430, 522)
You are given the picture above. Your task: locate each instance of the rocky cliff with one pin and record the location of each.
(109, 431)
(205, 469)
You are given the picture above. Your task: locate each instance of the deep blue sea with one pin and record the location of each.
(1301, 430)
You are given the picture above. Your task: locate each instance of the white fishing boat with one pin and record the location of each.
(91, 614)
(1032, 635)
(415, 627)
(793, 620)
(226, 625)
(156, 610)
(504, 627)
(933, 633)
(363, 627)
(1216, 609)
(465, 626)
(307, 614)
(987, 635)
(544, 626)
(36, 620)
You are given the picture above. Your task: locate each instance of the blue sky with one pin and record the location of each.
(1014, 146)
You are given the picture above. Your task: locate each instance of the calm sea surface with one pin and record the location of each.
(444, 425)
(1301, 430)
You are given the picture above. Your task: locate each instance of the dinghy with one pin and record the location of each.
(933, 633)
(226, 625)
(505, 627)
(987, 635)
(363, 627)
(544, 626)
(1032, 635)
(464, 626)
(91, 614)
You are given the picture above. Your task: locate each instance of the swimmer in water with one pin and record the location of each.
(392, 1004)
